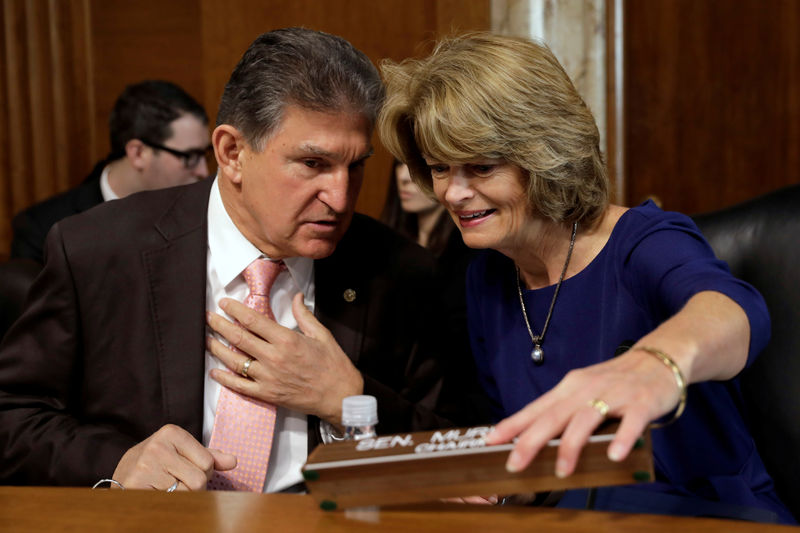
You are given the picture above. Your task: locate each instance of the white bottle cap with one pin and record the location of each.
(359, 411)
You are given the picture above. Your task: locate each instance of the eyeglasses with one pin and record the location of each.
(191, 158)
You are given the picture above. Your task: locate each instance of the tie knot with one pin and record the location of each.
(260, 275)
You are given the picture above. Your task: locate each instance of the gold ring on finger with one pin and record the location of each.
(246, 367)
(600, 406)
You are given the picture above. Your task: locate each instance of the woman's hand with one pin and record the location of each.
(636, 387)
(707, 339)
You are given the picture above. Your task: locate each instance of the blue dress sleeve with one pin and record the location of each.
(669, 261)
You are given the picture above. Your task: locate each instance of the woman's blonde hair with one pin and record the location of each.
(488, 96)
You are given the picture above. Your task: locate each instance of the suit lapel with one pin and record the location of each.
(345, 316)
(176, 281)
(342, 301)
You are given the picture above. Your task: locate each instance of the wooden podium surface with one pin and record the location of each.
(46, 509)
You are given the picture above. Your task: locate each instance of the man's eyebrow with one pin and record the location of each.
(316, 150)
(366, 155)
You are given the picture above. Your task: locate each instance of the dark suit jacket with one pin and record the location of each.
(31, 225)
(111, 345)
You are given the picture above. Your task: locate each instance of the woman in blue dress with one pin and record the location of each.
(578, 309)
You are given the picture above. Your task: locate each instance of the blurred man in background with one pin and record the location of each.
(159, 138)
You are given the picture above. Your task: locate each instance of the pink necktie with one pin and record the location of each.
(244, 426)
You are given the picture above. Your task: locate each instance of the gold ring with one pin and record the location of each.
(246, 367)
(600, 406)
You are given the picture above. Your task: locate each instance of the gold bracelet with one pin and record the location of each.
(667, 360)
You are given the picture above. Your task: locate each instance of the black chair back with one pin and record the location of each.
(760, 240)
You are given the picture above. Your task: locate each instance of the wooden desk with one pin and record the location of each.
(35, 509)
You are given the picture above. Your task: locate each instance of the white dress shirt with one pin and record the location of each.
(229, 253)
(105, 188)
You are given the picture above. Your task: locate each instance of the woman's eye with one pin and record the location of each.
(311, 163)
(482, 169)
(437, 169)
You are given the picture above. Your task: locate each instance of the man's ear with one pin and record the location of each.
(229, 145)
(135, 153)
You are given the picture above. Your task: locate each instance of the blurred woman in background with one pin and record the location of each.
(417, 214)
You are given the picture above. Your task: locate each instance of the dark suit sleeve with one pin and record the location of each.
(31, 226)
(45, 437)
(28, 237)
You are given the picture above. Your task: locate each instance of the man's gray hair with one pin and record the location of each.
(302, 67)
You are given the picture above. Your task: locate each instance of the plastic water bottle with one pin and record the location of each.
(359, 417)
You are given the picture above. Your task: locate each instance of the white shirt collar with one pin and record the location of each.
(105, 188)
(231, 252)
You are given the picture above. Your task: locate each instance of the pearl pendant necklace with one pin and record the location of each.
(537, 354)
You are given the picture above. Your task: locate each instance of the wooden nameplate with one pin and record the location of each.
(428, 465)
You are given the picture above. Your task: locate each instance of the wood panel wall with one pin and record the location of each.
(44, 102)
(711, 100)
(65, 61)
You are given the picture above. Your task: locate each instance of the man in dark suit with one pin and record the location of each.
(159, 138)
(105, 372)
